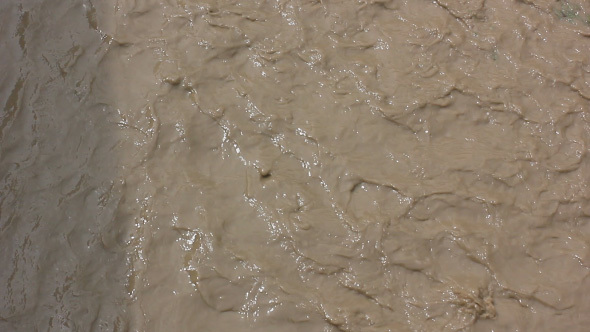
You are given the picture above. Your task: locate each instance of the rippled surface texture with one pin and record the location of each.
(378, 165)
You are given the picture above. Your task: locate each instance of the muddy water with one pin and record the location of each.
(295, 165)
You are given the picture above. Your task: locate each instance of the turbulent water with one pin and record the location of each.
(302, 165)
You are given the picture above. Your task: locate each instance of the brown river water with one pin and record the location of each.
(295, 165)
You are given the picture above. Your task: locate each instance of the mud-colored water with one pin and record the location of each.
(294, 165)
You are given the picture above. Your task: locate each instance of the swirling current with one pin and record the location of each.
(295, 165)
